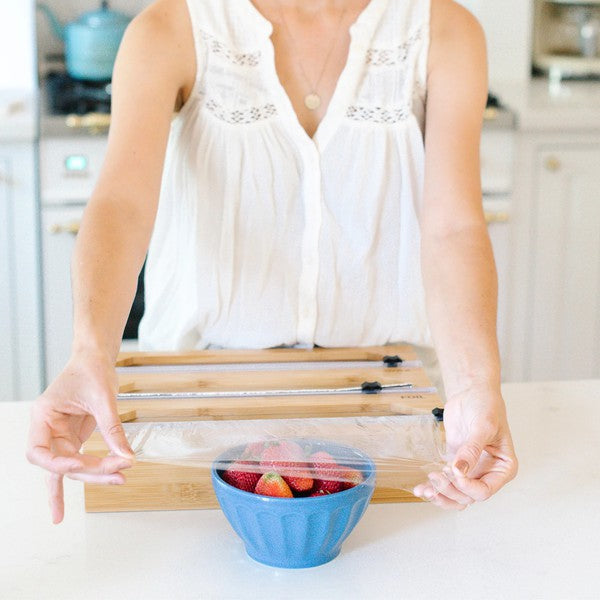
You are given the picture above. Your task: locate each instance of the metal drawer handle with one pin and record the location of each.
(498, 216)
(71, 227)
(552, 164)
(94, 122)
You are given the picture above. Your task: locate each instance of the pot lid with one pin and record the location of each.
(104, 17)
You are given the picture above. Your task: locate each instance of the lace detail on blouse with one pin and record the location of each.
(387, 57)
(241, 115)
(249, 59)
(377, 114)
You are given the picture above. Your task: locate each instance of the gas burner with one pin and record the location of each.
(72, 96)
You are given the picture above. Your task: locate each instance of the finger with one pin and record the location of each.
(112, 479)
(425, 491)
(466, 457)
(111, 428)
(447, 503)
(91, 465)
(56, 497)
(39, 452)
(444, 486)
(428, 493)
(419, 490)
(78, 463)
(107, 465)
(484, 487)
(501, 471)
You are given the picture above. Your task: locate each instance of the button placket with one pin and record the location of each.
(307, 288)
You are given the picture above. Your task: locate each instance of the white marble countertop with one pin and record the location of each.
(539, 106)
(538, 538)
(18, 115)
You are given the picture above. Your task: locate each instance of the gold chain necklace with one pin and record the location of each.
(312, 100)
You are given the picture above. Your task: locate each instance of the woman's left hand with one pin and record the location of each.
(483, 457)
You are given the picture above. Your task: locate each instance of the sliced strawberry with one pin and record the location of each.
(272, 484)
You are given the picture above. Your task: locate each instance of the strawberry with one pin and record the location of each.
(324, 465)
(282, 451)
(285, 458)
(327, 486)
(272, 484)
(329, 476)
(318, 493)
(253, 450)
(351, 477)
(240, 477)
(302, 480)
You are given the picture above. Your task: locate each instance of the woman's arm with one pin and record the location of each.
(458, 265)
(154, 70)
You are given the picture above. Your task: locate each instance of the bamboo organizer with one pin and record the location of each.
(154, 486)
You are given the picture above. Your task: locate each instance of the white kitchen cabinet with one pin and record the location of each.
(497, 165)
(59, 229)
(556, 258)
(21, 370)
(498, 216)
(7, 333)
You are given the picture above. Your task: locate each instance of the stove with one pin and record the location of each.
(68, 96)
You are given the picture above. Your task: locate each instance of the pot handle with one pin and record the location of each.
(57, 26)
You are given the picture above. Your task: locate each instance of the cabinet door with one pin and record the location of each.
(8, 367)
(59, 228)
(21, 369)
(497, 214)
(565, 287)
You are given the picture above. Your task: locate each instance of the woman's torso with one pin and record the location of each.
(266, 236)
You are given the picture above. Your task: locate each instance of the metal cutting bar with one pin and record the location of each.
(261, 393)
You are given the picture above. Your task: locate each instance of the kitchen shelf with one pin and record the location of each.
(567, 64)
(580, 2)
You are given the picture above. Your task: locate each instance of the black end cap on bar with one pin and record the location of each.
(438, 413)
(392, 361)
(371, 387)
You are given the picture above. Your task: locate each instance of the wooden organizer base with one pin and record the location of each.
(155, 486)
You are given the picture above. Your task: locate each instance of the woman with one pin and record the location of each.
(322, 167)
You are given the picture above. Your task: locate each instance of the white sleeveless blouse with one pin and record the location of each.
(265, 237)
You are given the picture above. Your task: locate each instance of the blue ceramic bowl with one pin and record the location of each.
(296, 532)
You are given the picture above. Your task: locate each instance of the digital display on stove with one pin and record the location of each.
(76, 162)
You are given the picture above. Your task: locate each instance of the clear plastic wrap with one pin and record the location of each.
(402, 450)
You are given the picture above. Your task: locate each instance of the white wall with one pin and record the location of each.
(17, 67)
(508, 28)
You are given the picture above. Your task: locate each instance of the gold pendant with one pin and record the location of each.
(312, 101)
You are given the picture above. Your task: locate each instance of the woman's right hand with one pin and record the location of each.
(65, 415)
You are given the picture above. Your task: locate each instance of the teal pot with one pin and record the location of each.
(91, 42)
